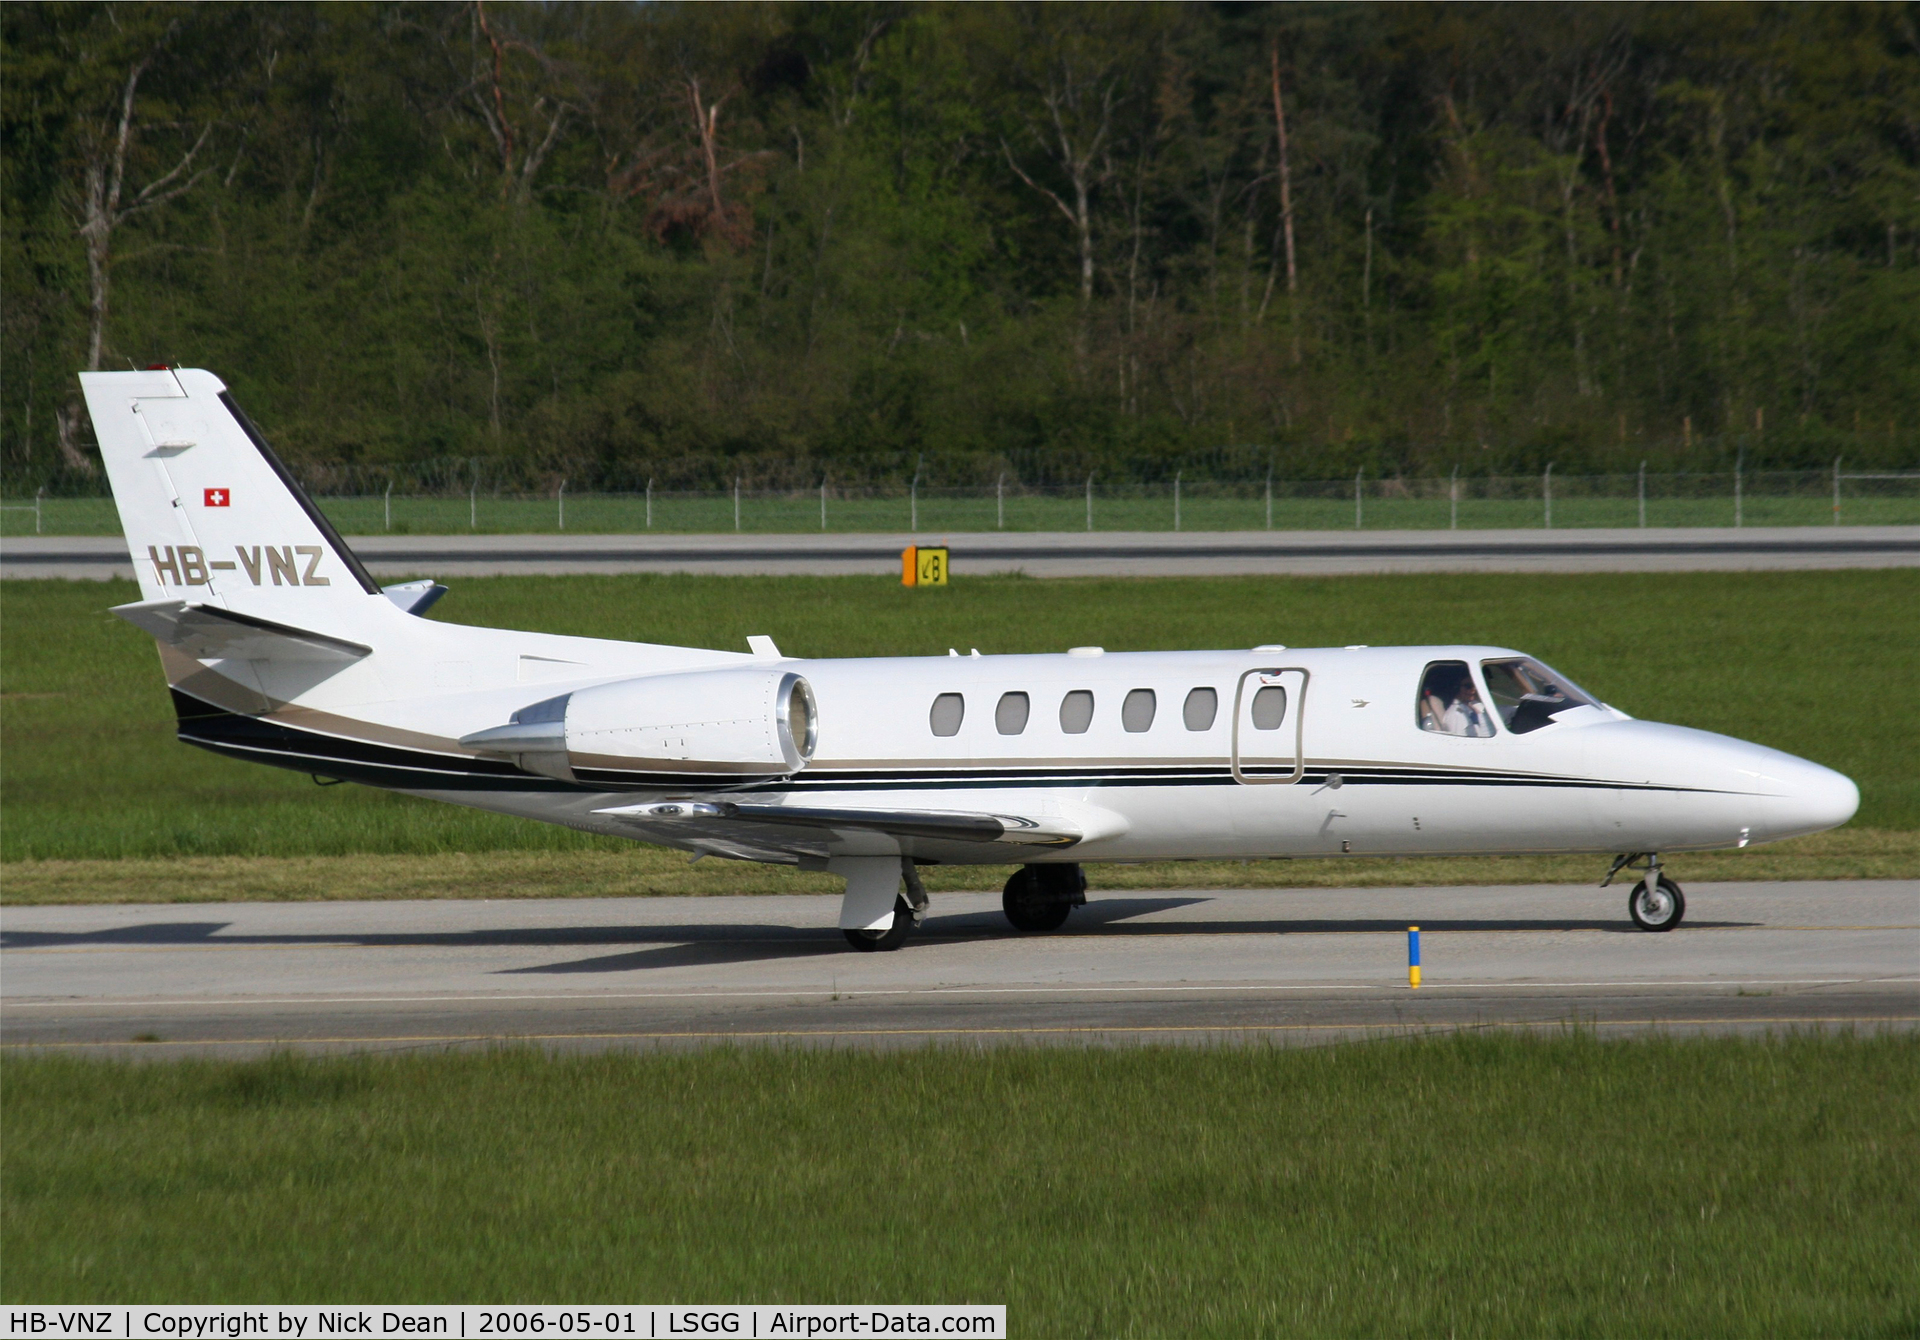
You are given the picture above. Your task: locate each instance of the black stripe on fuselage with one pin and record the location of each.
(258, 740)
(1313, 777)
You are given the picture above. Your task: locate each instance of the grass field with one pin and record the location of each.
(1804, 661)
(1201, 509)
(1479, 1185)
(639, 871)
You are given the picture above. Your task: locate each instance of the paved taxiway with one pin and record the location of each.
(1288, 966)
(1073, 554)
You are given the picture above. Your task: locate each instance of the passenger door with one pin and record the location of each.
(1269, 726)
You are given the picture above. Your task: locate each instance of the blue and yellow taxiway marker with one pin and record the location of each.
(1413, 956)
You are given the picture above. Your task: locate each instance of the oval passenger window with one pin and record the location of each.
(1200, 708)
(948, 709)
(1010, 716)
(1076, 712)
(1136, 713)
(1269, 708)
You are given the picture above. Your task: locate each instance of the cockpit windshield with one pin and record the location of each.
(1528, 695)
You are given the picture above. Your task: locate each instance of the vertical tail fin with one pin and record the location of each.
(211, 514)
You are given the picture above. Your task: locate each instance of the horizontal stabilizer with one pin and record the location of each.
(948, 825)
(207, 633)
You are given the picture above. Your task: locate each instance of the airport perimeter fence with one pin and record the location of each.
(1544, 501)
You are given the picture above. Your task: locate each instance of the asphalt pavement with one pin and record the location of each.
(1278, 966)
(1072, 554)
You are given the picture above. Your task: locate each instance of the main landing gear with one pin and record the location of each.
(870, 881)
(1039, 897)
(1656, 903)
(892, 937)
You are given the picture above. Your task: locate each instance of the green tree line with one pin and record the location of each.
(787, 240)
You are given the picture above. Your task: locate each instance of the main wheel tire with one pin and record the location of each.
(1659, 908)
(891, 938)
(1034, 902)
(1062, 879)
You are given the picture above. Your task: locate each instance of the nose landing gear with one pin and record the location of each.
(1656, 903)
(1039, 897)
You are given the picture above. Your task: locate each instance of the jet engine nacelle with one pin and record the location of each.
(702, 726)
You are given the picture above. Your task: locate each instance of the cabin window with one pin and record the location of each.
(1076, 712)
(1010, 716)
(1269, 707)
(1136, 713)
(948, 710)
(1528, 695)
(1200, 708)
(1449, 704)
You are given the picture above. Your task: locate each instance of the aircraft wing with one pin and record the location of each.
(208, 633)
(801, 827)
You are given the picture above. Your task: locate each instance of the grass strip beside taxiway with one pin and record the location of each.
(641, 871)
(1477, 1184)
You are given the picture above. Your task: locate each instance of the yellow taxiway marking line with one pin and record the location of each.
(1064, 1030)
(789, 993)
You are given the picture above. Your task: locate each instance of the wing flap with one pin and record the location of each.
(208, 633)
(938, 825)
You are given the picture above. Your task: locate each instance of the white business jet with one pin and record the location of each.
(282, 649)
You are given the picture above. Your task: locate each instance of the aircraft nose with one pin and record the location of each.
(1720, 785)
(1817, 799)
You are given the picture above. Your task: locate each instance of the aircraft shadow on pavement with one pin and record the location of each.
(715, 951)
(693, 945)
(204, 934)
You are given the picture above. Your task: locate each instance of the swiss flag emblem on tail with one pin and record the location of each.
(218, 498)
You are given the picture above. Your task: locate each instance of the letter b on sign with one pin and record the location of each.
(923, 565)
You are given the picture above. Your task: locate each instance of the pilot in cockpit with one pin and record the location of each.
(1450, 703)
(1466, 714)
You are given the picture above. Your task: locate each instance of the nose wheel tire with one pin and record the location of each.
(891, 938)
(1039, 897)
(1658, 908)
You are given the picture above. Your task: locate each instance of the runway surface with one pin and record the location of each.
(1282, 966)
(1072, 554)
